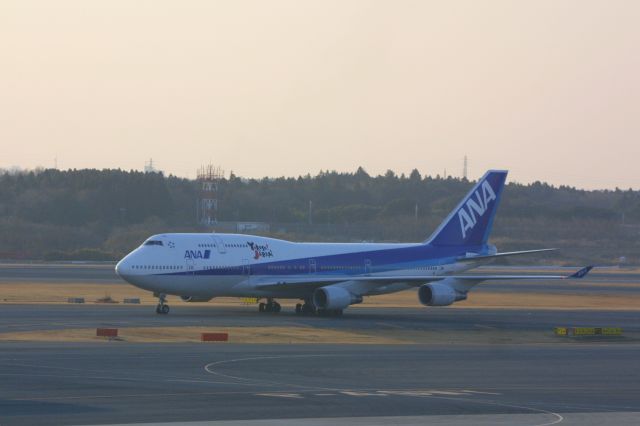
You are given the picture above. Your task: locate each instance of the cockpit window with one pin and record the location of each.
(153, 243)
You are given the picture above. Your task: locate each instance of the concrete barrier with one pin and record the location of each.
(75, 300)
(587, 331)
(214, 337)
(131, 300)
(107, 332)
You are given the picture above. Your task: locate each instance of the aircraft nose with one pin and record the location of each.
(122, 267)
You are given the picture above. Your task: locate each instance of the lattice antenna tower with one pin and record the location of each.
(209, 177)
(464, 168)
(148, 167)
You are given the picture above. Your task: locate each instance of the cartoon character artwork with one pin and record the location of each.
(260, 250)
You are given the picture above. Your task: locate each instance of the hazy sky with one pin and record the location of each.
(547, 89)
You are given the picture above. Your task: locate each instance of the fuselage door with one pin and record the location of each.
(190, 265)
(367, 266)
(313, 266)
(217, 241)
(246, 267)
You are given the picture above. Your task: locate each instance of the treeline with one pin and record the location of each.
(102, 214)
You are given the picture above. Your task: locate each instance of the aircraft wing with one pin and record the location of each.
(285, 283)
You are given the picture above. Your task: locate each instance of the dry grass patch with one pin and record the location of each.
(282, 335)
(32, 292)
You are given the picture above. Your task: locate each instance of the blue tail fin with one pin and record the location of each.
(469, 224)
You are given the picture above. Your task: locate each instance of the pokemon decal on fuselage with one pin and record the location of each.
(260, 250)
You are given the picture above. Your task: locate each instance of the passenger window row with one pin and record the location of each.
(340, 268)
(210, 268)
(204, 245)
(286, 268)
(160, 267)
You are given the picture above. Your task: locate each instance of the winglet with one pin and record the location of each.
(581, 273)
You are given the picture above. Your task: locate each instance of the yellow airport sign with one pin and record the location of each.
(587, 331)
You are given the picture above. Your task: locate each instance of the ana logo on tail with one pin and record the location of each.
(475, 208)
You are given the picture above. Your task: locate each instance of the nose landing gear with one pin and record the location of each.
(162, 308)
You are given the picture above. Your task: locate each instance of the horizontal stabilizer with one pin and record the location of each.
(499, 255)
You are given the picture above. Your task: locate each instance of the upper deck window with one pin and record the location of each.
(153, 243)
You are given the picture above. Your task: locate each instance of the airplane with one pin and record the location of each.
(328, 277)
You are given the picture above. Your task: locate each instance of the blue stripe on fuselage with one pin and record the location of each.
(381, 261)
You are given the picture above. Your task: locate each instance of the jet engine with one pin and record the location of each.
(195, 299)
(334, 298)
(438, 294)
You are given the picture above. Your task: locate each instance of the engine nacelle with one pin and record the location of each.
(195, 299)
(334, 298)
(437, 294)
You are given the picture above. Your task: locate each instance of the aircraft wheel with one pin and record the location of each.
(276, 307)
(161, 308)
(299, 308)
(308, 309)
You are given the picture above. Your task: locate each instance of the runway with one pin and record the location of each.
(480, 366)
(53, 317)
(50, 384)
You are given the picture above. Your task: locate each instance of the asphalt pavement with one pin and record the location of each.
(115, 382)
(495, 382)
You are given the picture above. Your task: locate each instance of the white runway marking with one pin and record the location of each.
(355, 393)
(436, 394)
(482, 393)
(209, 369)
(282, 395)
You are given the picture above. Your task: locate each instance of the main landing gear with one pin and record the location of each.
(308, 308)
(162, 307)
(270, 306)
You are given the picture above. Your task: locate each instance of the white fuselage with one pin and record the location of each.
(204, 266)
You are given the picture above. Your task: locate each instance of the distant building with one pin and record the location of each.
(247, 227)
